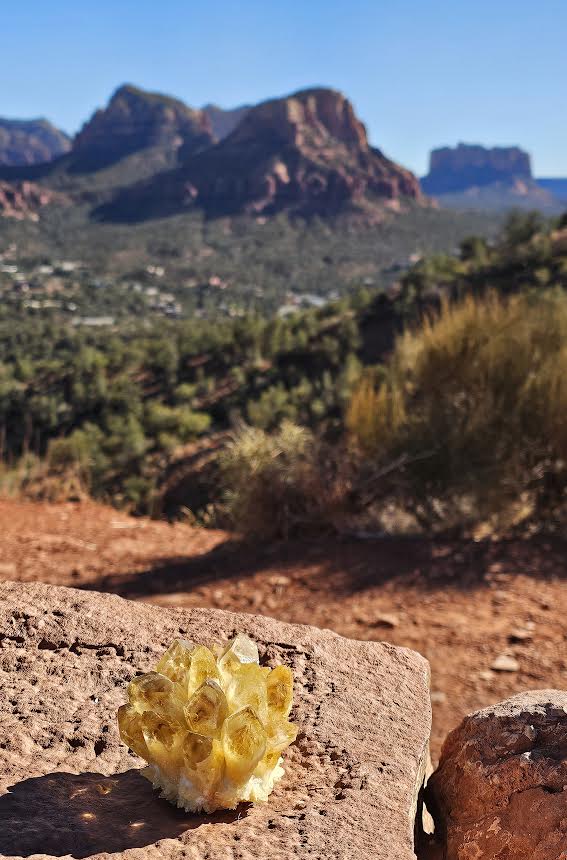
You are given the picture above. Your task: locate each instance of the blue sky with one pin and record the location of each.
(421, 73)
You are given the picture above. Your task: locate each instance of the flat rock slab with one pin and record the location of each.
(69, 787)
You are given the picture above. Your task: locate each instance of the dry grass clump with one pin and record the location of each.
(476, 401)
(279, 483)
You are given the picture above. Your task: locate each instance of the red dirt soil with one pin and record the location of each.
(461, 604)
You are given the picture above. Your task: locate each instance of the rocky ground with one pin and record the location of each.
(490, 617)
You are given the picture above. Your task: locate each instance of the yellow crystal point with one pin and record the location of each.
(203, 667)
(150, 692)
(204, 765)
(130, 728)
(206, 710)
(155, 692)
(280, 690)
(240, 650)
(164, 741)
(243, 743)
(176, 661)
(280, 736)
(212, 729)
(196, 748)
(247, 688)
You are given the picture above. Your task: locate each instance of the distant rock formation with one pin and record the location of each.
(23, 200)
(465, 166)
(307, 154)
(224, 121)
(32, 141)
(134, 120)
(476, 177)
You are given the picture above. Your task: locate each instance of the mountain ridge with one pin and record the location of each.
(306, 153)
(31, 141)
(135, 119)
(148, 154)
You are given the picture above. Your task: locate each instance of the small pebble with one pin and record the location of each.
(519, 634)
(505, 663)
(389, 621)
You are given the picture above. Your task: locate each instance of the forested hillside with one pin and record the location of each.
(113, 406)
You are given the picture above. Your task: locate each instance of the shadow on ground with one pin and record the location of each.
(88, 813)
(347, 566)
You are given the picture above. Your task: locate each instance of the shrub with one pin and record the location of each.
(278, 483)
(375, 415)
(173, 423)
(521, 226)
(81, 457)
(272, 407)
(476, 401)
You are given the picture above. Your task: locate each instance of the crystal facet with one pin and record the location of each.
(280, 690)
(177, 660)
(212, 730)
(207, 709)
(203, 667)
(243, 743)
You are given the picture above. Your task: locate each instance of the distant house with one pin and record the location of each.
(295, 301)
(67, 266)
(311, 300)
(93, 321)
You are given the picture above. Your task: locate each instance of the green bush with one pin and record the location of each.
(175, 422)
(273, 406)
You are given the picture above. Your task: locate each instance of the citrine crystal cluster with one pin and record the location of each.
(212, 727)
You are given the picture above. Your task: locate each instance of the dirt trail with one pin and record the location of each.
(461, 604)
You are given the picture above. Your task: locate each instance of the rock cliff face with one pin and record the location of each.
(23, 200)
(33, 141)
(466, 166)
(135, 120)
(68, 786)
(307, 154)
(474, 177)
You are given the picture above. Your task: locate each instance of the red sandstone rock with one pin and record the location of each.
(23, 200)
(307, 154)
(500, 790)
(68, 786)
(465, 166)
(135, 119)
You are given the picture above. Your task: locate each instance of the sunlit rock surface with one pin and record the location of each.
(70, 787)
(212, 728)
(500, 790)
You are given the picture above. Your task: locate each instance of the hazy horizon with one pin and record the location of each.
(419, 78)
